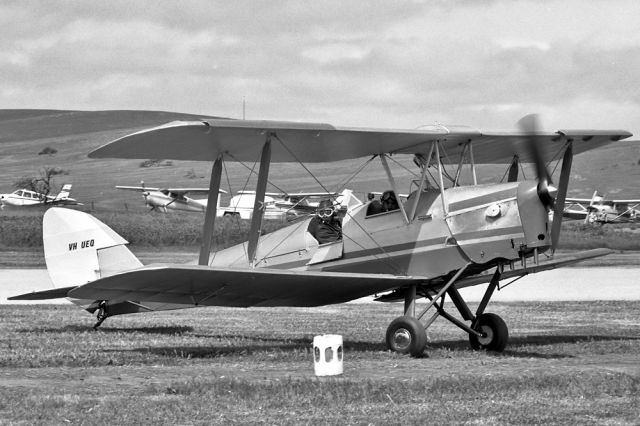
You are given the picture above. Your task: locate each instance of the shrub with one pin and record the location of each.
(48, 151)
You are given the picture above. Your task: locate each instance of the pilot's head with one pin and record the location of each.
(389, 201)
(325, 209)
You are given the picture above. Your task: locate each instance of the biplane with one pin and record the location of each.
(161, 199)
(446, 235)
(599, 209)
(28, 198)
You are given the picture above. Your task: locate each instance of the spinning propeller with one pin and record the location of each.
(551, 197)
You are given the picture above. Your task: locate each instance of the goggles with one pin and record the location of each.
(324, 212)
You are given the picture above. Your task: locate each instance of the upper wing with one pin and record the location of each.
(203, 285)
(177, 191)
(589, 200)
(625, 201)
(312, 194)
(242, 140)
(137, 188)
(578, 200)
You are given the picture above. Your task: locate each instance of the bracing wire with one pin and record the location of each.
(252, 171)
(389, 259)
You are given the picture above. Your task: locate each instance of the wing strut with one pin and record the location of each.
(392, 181)
(513, 169)
(210, 214)
(258, 206)
(567, 159)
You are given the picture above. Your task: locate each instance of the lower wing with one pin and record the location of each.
(207, 286)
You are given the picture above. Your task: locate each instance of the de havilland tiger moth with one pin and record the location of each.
(444, 236)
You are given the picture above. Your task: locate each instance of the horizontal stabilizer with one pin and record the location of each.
(54, 293)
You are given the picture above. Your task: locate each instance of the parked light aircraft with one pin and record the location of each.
(161, 199)
(598, 209)
(240, 205)
(441, 239)
(27, 198)
(305, 203)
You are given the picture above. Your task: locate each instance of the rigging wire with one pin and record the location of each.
(389, 259)
(365, 164)
(252, 171)
(301, 163)
(403, 166)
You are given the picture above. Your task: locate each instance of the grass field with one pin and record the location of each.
(567, 363)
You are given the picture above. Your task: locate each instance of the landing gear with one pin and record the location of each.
(494, 333)
(102, 314)
(406, 335)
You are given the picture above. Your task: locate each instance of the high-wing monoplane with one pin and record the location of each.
(28, 198)
(305, 203)
(161, 199)
(599, 209)
(449, 233)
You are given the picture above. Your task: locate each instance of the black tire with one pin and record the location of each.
(496, 333)
(406, 335)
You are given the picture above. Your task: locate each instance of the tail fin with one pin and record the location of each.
(65, 192)
(78, 248)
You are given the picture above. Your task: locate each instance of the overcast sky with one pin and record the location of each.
(397, 64)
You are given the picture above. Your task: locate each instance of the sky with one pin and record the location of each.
(381, 64)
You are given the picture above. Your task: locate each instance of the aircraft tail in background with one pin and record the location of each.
(64, 193)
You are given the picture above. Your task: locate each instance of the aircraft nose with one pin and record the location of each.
(534, 213)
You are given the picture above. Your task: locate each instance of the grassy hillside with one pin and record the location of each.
(614, 169)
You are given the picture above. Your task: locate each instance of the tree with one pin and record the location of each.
(42, 184)
(48, 151)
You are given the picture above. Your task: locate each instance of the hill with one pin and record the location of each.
(24, 134)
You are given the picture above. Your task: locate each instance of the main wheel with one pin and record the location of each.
(495, 333)
(406, 335)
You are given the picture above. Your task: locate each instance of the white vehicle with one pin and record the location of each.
(241, 206)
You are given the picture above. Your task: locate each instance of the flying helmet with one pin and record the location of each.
(325, 209)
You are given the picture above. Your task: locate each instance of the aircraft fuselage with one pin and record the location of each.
(482, 224)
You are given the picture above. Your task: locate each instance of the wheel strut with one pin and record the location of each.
(407, 334)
